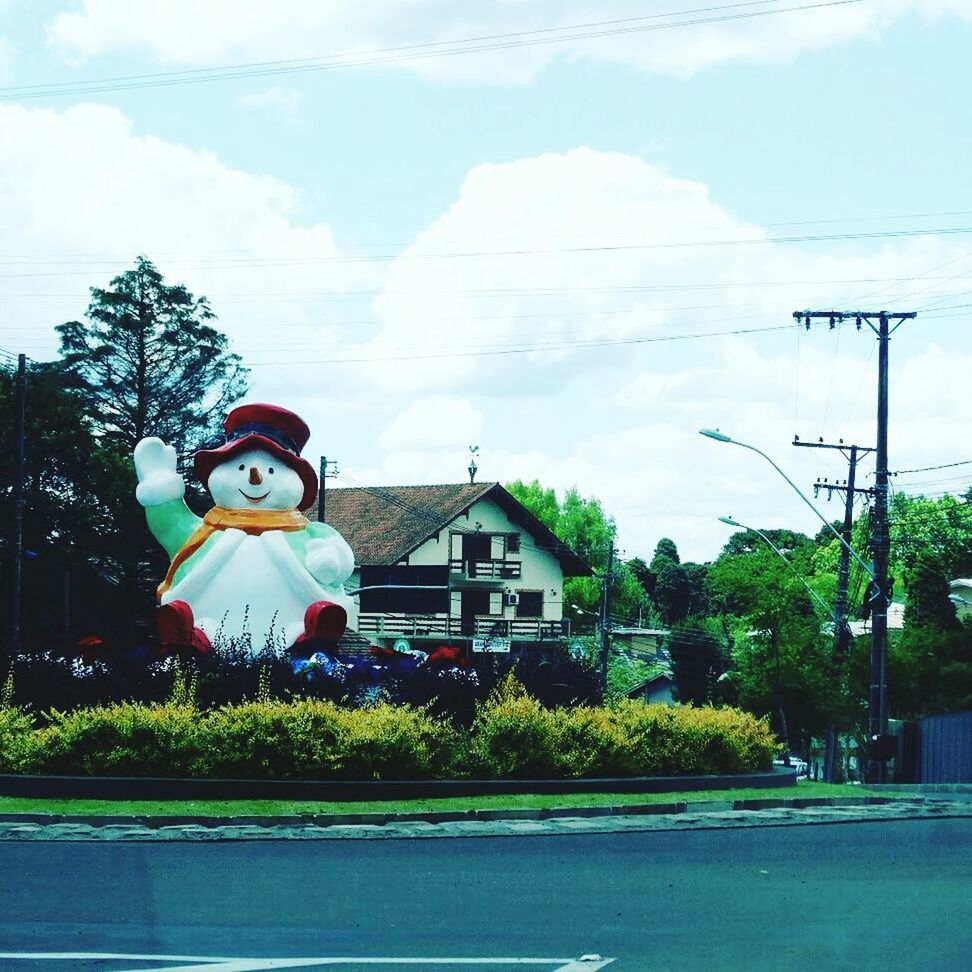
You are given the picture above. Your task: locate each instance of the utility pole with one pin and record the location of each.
(325, 465)
(20, 411)
(841, 630)
(606, 617)
(880, 323)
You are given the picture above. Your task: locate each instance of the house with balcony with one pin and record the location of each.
(461, 564)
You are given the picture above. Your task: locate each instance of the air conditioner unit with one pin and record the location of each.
(511, 600)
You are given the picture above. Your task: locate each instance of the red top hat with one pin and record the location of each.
(269, 427)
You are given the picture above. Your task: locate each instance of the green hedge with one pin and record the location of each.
(513, 736)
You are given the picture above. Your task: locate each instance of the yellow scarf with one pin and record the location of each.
(253, 522)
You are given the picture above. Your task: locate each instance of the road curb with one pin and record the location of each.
(158, 821)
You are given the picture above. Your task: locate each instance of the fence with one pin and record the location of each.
(945, 748)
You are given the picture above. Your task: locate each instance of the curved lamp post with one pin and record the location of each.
(722, 437)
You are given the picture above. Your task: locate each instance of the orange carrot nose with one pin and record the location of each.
(255, 477)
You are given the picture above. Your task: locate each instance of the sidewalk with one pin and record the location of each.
(710, 814)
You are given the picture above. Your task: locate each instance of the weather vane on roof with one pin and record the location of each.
(473, 452)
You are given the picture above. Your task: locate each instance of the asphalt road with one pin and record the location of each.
(856, 896)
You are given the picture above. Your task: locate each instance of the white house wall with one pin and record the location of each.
(541, 570)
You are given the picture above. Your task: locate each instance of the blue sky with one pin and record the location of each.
(840, 120)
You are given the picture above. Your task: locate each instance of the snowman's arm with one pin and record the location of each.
(328, 557)
(172, 524)
(160, 490)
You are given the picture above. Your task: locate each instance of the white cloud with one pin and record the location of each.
(284, 100)
(236, 31)
(7, 57)
(432, 423)
(82, 192)
(622, 424)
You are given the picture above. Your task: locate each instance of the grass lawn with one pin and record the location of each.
(268, 808)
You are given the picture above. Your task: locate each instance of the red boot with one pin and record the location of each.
(177, 629)
(324, 621)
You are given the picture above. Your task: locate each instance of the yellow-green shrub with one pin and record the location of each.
(126, 739)
(311, 739)
(591, 742)
(513, 736)
(256, 740)
(396, 742)
(16, 741)
(684, 740)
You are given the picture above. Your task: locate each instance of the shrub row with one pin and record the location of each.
(512, 736)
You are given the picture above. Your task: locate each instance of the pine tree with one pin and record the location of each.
(148, 361)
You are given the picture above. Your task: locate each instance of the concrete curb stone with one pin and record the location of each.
(691, 817)
(124, 827)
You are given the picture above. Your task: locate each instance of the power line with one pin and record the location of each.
(250, 264)
(492, 292)
(944, 465)
(529, 350)
(433, 49)
(588, 315)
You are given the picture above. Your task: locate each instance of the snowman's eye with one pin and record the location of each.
(242, 466)
(270, 470)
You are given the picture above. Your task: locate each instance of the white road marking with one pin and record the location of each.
(215, 963)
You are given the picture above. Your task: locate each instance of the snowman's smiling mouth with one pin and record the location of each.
(255, 499)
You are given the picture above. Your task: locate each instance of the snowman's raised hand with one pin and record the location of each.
(155, 466)
(330, 561)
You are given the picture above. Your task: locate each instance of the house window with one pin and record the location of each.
(530, 604)
(513, 543)
(476, 546)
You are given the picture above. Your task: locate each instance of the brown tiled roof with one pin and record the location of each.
(352, 643)
(384, 524)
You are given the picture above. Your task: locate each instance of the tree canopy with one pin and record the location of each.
(148, 361)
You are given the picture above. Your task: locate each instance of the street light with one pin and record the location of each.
(722, 437)
(735, 523)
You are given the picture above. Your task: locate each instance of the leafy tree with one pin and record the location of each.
(541, 502)
(586, 528)
(642, 572)
(940, 526)
(698, 602)
(698, 662)
(929, 670)
(666, 548)
(75, 492)
(148, 361)
(667, 583)
(928, 590)
(781, 655)
(787, 541)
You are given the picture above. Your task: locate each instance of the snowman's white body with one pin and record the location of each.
(246, 590)
(252, 590)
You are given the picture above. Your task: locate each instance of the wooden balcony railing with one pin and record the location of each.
(487, 569)
(441, 626)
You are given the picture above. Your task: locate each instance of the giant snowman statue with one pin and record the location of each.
(254, 571)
